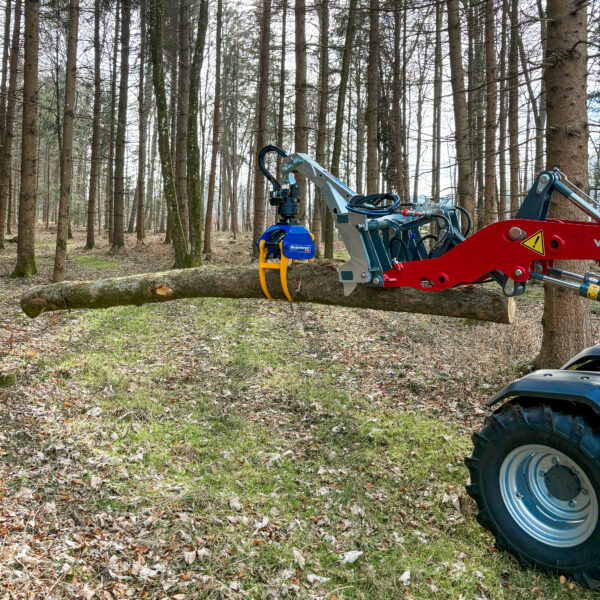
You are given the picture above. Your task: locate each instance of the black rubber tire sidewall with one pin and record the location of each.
(572, 559)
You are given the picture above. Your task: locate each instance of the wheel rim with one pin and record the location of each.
(548, 495)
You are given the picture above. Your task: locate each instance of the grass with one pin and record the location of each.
(207, 400)
(95, 262)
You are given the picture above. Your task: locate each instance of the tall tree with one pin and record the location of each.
(143, 118)
(465, 187)
(339, 117)
(215, 140)
(261, 119)
(183, 107)
(95, 158)
(119, 231)
(566, 322)
(157, 21)
(26, 265)
(300, 128)
(110, 171)
(66, 159)
(8, 133)
(373, 98)
(193, 153)
(319, 205)
(513, 107)
(280, 114)
(491, 123)
(437, 106)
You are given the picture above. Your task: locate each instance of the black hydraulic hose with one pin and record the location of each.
(357, 204)
(263, 169)
(465, 212)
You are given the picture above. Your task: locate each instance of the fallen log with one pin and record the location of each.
(311, 282)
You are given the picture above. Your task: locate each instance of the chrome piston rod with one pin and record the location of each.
(584, 287)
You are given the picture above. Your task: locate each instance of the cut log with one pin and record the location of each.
(310, 282)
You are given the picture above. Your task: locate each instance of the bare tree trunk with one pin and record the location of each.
(110, 183)
(566, 320)
(465, 189)
(339, 117)
(66, 159)
(491, 202)
(142, 111)
(3, 106)
(513, 108)
(95, 167)
(300, 129)
(322, 121)
(195, 190)
(183, 106)
(502, 199)
(284, 8)
(373, 98)
(26, 265)
(215, 141)
(182, 258)
(437, 106)
(261, 121)
(7, 139)
(119, 231)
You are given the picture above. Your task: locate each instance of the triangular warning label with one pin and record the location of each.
(535, 242)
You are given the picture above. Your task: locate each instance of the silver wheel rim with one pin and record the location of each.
(526, 481)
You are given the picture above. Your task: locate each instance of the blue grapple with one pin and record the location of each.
(287, 241)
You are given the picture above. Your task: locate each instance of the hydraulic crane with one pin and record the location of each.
(391, 245)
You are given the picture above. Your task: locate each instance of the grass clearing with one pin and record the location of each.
(260, 452)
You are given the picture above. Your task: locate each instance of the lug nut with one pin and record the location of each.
(572, 504)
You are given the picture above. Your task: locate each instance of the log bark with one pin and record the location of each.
(312, 282)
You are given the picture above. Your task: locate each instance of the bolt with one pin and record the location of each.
(556, 460)
(544, 178)
(542, 473)
(519, 496)
(572, 504)
(363, 275)
(516, 233)
(376, 281)
(518, 272)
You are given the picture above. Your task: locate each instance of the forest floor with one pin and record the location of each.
(216, 448)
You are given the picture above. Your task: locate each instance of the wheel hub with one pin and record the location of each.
(548, 495)
(562, 483)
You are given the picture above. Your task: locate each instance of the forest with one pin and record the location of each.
(416, 415)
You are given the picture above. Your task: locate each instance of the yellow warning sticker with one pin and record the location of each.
(535, 242)
(592, 292)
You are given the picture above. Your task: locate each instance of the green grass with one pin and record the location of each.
(217, 400)
(95, 262)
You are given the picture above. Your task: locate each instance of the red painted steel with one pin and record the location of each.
(491, 249)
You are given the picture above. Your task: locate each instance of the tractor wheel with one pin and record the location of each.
(535, 475)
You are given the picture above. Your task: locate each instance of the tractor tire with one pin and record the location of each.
(535, 475)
